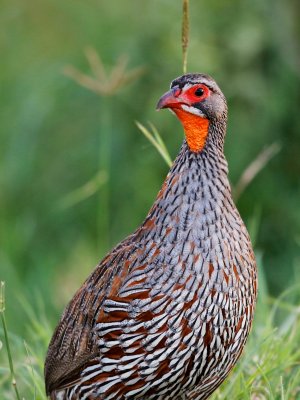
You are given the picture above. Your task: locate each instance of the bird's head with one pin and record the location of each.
(201, 107)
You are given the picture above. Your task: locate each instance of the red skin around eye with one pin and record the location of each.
(190, 96)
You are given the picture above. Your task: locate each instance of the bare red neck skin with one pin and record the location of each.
(195, 129)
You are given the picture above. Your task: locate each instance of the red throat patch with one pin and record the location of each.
(195, 129)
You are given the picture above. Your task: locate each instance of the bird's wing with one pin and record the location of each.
(128, 320)
(72, 344)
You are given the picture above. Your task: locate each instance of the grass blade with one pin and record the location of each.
(254, 168)
(156, 140)
(87, 190)
(10, 360)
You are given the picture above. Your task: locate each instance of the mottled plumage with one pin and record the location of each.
(165, 315)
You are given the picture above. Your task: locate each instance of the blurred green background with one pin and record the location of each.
(56, 135)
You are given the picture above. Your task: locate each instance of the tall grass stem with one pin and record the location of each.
(185, 33)
(3, 320)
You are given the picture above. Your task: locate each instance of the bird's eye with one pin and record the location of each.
(199, 92)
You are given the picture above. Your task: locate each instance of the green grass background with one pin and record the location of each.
(56, 136)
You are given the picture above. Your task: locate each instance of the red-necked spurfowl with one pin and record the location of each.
(166, 314)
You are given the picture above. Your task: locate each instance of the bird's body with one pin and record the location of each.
(166, 314)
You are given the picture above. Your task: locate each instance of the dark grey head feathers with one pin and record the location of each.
(214, 106)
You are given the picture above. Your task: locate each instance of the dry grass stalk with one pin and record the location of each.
(101, 82)
(254, 168)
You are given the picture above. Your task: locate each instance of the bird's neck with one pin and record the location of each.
(201, 132)
(195, 129)
(196, 190)
(199, 176)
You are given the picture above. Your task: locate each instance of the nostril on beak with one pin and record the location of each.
(169, 99)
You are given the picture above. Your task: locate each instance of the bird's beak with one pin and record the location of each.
(169, 100)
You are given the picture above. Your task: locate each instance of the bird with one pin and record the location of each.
(166, 314)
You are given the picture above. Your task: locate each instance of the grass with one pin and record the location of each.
(22, 360)
(6, 341)
(156, 140)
